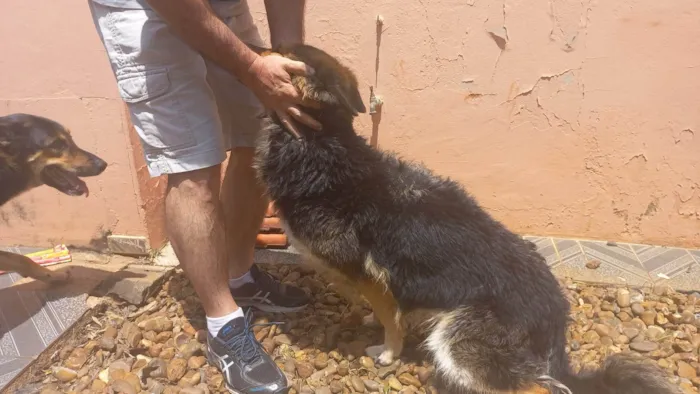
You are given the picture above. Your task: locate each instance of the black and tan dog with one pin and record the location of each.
(424, 254)
(37, 151)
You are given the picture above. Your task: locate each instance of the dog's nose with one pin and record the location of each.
(91, 165)
(100, 165)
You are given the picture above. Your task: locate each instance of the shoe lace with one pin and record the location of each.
(270, 282)
(245, 346)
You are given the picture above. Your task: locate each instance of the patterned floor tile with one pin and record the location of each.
(67, 310)
(666, 261)
(546, 248)
(20, 249)
(687, 280)
(8, 347)
(623, 246)
(10, 367)
(18, 321)
(695, 254)
(620, 257)
(30, 320)
(575, 267)
(567, 249)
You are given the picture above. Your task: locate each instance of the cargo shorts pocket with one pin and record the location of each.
(155, 110)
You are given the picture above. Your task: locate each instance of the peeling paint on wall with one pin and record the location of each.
(571, 118)
(563, 117)
(56, 68)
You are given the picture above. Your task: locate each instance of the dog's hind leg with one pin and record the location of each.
(387, 312)
(24, 266)
(345, 288)
(474, 352)
(337, 280)
(341, 284)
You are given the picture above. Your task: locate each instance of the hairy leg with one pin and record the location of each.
(244, 202)
(195, 225)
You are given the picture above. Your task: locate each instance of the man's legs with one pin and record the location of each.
(176, 115)
(244, 204)
(242, 196)
(195, 225)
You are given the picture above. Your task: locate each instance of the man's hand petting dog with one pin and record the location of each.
(271, 81)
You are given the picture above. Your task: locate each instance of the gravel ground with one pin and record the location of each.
(159, 347)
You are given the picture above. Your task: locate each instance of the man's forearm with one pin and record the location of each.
(286, 21)
(197, 25)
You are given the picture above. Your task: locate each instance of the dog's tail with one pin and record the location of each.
(620, 374)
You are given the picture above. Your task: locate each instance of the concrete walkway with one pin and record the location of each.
(621, 263)
(34, 314)
(594, 261)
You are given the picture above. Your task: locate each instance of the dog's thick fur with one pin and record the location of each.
(37, 151)
(424, 254)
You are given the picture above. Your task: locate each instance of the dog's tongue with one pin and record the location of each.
(82, 186)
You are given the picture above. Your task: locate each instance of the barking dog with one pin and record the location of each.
(424, 254)
(36, 151)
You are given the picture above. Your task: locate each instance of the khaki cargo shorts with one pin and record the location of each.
(186, 110)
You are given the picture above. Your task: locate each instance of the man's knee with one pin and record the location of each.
(199, 185)
(242, 157)
(240, 168)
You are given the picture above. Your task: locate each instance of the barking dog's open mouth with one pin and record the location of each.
(64, 181)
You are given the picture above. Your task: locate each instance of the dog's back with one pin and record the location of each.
(496, 317)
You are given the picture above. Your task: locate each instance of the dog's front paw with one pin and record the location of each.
(381, 354)
(57, 277)
(386, 358)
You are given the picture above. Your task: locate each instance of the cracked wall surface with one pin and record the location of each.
(572, 118)
(56, 68)
(563, 117)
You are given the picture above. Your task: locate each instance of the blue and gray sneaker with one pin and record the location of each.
(247, 369)
(269, 295)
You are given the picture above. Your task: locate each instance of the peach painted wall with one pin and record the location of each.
(586, 123)
(53, 65)
(572, 118)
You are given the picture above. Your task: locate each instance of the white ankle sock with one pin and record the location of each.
(240, 281)
(214, 324)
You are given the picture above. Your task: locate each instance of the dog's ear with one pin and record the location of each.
(335, 93)
(333, 84)
(348, 96)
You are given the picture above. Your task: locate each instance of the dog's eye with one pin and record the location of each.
(58, 145)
